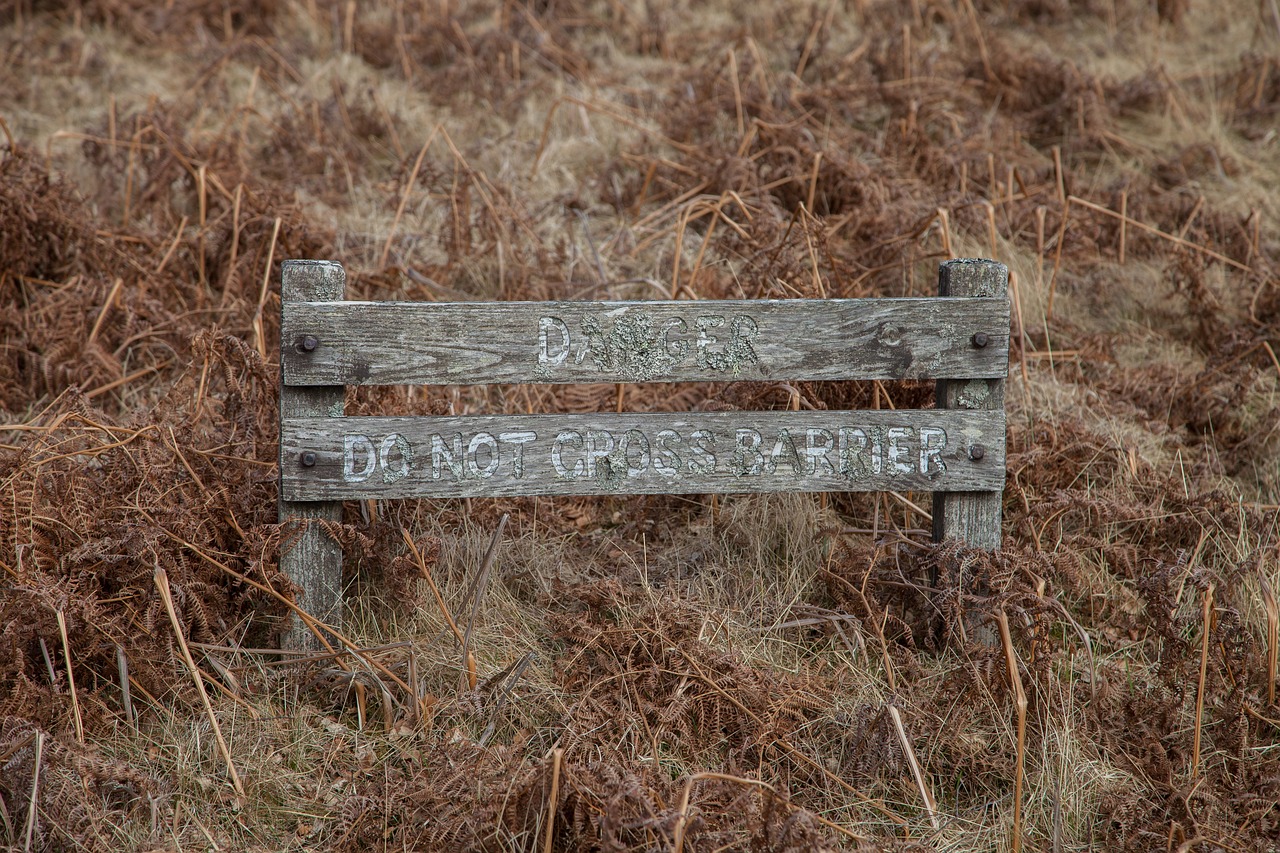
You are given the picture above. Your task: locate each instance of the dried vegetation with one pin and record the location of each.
(654, 673)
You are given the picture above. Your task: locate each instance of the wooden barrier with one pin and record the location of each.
(955, 451)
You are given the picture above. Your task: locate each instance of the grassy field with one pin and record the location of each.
(662, 673)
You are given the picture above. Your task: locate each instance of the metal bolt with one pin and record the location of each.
(308, 343)
(976, 452)
(308, 459)
(980, 339)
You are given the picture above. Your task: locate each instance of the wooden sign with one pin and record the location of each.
(956, 451)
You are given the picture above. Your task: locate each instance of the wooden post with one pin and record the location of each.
(972, 517)
(313, 561)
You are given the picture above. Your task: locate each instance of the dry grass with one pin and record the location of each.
(783, 673)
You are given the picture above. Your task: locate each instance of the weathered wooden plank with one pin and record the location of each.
(313, 561)
(388, 343)
(973, 517)
(656, 453)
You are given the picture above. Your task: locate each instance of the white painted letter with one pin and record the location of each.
(815, 450)
(635, 438)
(547, 327)
(573, 437)
(665, 460)
(706, 358)
(350, 444)
(482, 439)
(748, 447)
(677, 349)
(519, 439)
(852, 446)
(899, 453)
(785, 448)
(398, 470)
(933, 440)
(705, 461)
(441, 455)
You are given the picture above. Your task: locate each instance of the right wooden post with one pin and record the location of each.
(972, 517)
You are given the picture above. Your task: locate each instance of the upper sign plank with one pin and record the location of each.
(476, 343)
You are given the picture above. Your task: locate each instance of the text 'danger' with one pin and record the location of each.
(640, 347)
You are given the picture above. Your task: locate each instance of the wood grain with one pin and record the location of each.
(657, 453)
(389, 343)
(975, 517)
(312, 560)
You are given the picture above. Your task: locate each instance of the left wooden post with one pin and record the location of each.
(312, 559)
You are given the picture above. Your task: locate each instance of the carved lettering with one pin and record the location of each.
(815, 451)
(395, 458)
(676, 348)
(900, 455)
(490, 445)
(834, 453)
(704, 460)
(599, 446)
(351, 445)
(635, 346)
(707, 357)
(739, 352)
(784, 449)
(446, 457)
(933, 441)
(666, 461)
(634, 440)
(747, 459)
(567, 438)
(517, 440)
(553, 341)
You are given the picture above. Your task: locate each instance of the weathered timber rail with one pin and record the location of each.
(956, 451)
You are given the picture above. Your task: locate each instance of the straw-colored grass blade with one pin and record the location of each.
(1020, 701)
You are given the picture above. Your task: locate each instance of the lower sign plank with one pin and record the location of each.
(658, 453)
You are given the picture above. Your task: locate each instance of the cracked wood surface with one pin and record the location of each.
(653, 453)
(390, 343)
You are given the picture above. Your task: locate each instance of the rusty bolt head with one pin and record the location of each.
(980, 339)
(976, 452)
(308, 459)
(308, 343)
